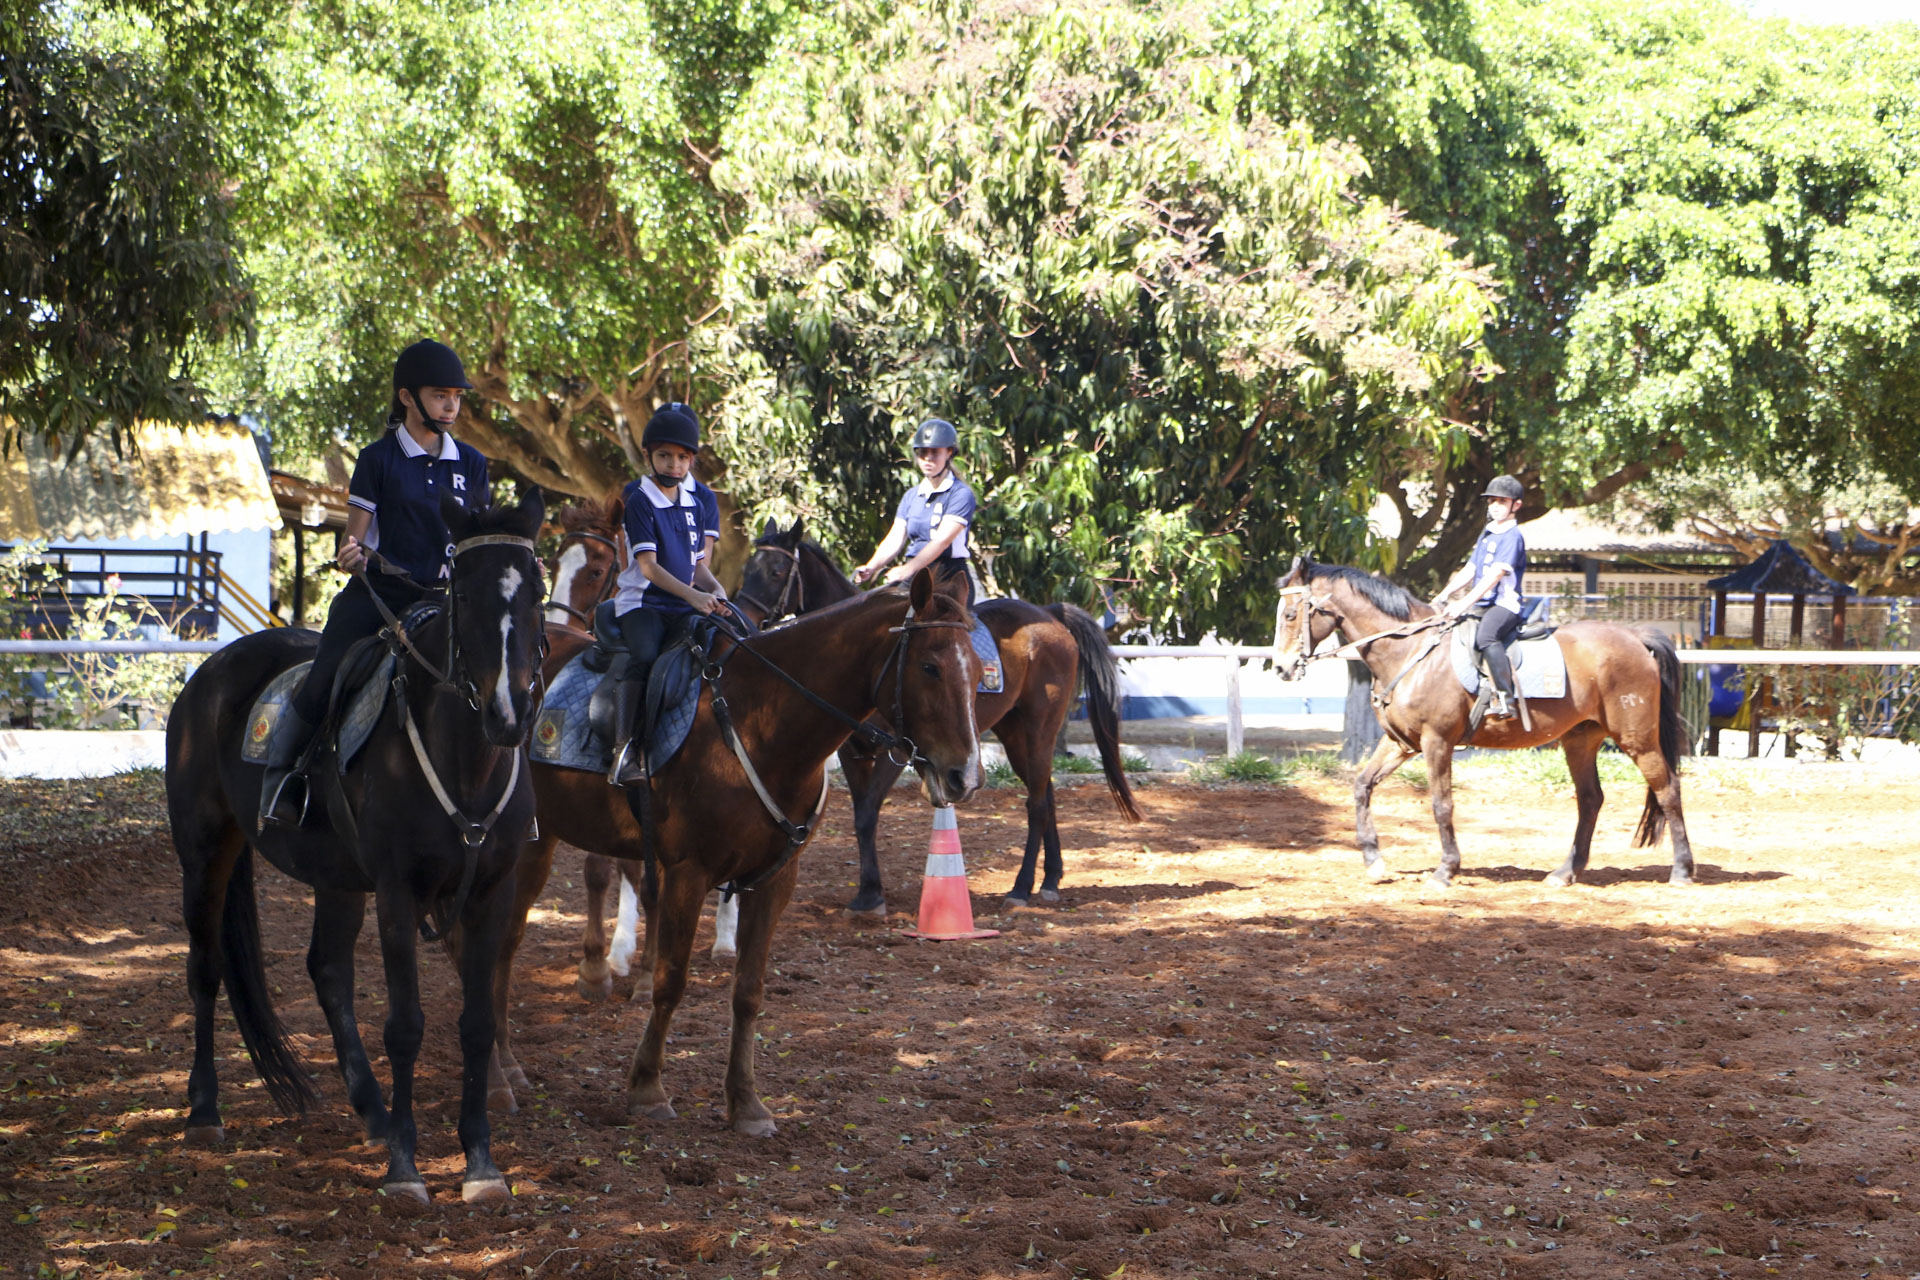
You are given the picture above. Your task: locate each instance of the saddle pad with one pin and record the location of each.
(564, 734)
(992, 678)
(1539, 668)
(364, 705)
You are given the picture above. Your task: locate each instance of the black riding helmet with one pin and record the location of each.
(425, 364)
(672, 424)
(1504, 487)
(936, 433)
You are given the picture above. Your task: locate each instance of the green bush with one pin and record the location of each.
(1248, 766)
(1075, 764)
(1001, 774)
(1134, 762)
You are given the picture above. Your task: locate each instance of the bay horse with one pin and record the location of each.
(1041, 651)
(794, 696)
(586, 572)
(431, 815)
(1622, 683)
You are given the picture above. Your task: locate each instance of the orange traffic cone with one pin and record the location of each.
(946, 908)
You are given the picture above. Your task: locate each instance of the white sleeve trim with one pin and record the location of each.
(354, 500)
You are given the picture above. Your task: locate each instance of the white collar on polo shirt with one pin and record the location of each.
(449, 451)
(658, 496)
(927, 490)
(1501, 526)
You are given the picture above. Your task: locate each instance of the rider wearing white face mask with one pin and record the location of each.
(1495, 570)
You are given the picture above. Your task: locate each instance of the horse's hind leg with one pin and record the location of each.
(1663, 788)
(1439, 755)
(869, 780)
(1030, 756)
(670, 928)
(759, 912)
(596, 978)
(1386, 757)
(530, 873)
(337, 918)
(206, 863)
(1582, 746)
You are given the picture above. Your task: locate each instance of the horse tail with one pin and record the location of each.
(1673, 731)
(246, 980)
(1100, 677)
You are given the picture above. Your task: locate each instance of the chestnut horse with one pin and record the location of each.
(1040, 648)
(456, 736)
(1622, 683)
(793, 696)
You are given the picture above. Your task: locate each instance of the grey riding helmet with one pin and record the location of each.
(936, 433)
(1504, 487)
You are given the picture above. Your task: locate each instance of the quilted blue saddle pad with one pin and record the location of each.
(564, 734)
(364, 705)
(992, 678)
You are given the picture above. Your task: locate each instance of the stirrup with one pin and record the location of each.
(629, 764)
(270, 815)
(1502, 707)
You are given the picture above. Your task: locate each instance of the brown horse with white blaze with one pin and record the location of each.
(1622, 683)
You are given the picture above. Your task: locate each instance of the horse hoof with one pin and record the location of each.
(1559, 880)
(1379, 872)
(502, 1100)
(725, 954)
(517, 1078)
(619, 966)
(755, 1127)
(491, 1194)
(877, 916)
(1438, 882)
(206, 1135)
(1679, 879)
(1011, 903)
(1049, 895)
(594, 992)
(413, 1194)
(651, 1110)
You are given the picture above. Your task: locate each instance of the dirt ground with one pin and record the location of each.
(1223, 1052)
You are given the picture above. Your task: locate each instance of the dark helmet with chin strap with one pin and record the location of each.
(425, 364)
(672, 424)
(936, 433)
(1504, 487)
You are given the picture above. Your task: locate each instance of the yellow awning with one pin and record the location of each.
(203, 478)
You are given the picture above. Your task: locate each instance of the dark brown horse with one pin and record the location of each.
(1622, 683)
(430, 816)
(1041, 652)
(904, 649)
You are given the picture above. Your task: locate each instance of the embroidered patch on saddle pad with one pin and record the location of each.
(992, 678)
(1539, 667)
(364, 705)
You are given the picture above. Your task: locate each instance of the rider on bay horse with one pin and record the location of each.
(1495, 570)
(934, 517)
(671, 524)
(393, 508)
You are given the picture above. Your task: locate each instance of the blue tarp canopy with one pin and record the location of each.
(1781, 571)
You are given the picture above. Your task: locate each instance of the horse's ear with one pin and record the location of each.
(799, 530)
(526, 518)
(771, 531)
(454, 514)
(921, 591)
(616, 508)
(1293, 572)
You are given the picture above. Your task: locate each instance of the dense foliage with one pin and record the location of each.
(1177, 341)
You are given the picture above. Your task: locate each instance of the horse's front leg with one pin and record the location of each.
(399, 915)
(670, 929)
(1387, 756)
(596, 976)
(484, 929)
(759, 912)
(1439, 755)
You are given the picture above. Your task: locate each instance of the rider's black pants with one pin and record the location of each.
(353, 616)
(648, 633)
(1497, 626)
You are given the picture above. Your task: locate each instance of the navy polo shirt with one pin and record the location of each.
(709, 508)
(400, 484)
(1501, 546)
(922, 508)
(670, 527)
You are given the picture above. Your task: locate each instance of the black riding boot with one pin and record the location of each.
(1500, 671)
(281, 786)
(630, 756)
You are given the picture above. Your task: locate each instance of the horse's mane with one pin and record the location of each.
(589, 517)
(1390, 598)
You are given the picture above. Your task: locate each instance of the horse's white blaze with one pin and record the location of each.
(571, 561)
(503, 687)
(626, 932)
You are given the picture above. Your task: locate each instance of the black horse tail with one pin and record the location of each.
(1100, 677)
(1673, 731)
(246, 980)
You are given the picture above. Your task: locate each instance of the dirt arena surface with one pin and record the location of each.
(1224, 1052)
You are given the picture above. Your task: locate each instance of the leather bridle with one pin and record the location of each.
(585, 619)
(792, 587)
(1299, 659)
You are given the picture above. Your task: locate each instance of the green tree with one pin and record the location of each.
(118, 267)
(1178, 342)
(527, 182)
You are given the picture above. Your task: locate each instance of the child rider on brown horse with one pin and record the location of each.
(1495, 570)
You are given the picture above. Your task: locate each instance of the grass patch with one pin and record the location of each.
(1248, 766)
(1075, 764)
(1001, 774)
(1315, 764)
(1546, 769)
(1412, 774)
(1133, 762)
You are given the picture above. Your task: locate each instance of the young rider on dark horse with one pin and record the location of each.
(667, 579)
(1495, 570)
(933, 518)
(394, 509)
